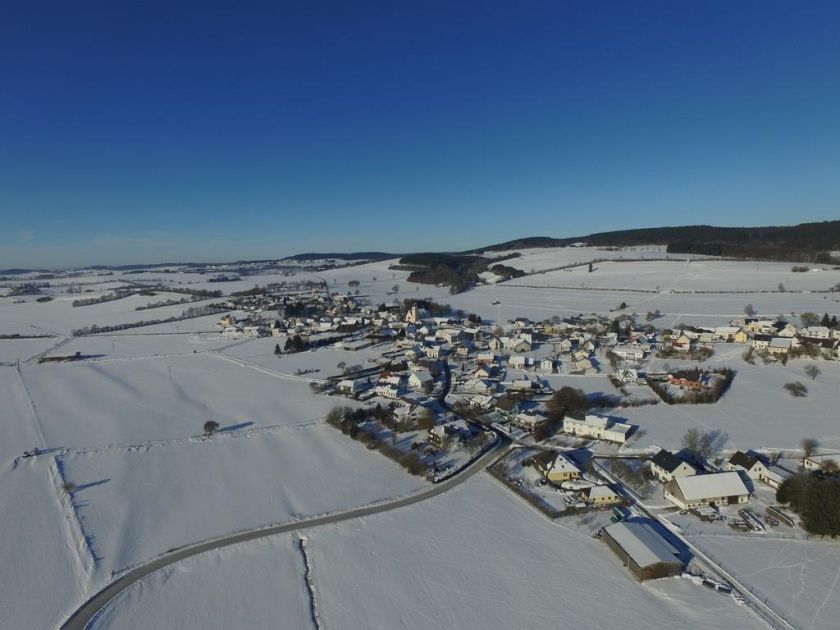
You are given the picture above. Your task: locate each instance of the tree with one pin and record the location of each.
(809, 319)
(425, 420)
(210, 427)
(395, 288)
(567, 400)
(812, 371)
(781, 288)
(796, 389)
(691, 441)
(69, 487)
(830, 467)
(341, 365)
(809, 445)
(277, 348)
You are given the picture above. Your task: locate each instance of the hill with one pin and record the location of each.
(803, 242)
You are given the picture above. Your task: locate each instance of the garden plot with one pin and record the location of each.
(138, 502)
(118, 402)
(479, 557)
(258, 585)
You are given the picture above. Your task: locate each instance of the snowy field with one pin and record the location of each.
(138, 502)
(325, 360)
(543, 258)
(133, 401)
(13, 349)
(121, 345)
(756, 412)
(480, 557)
(249, 587)
(699, 309)
(800, 579)
(697, 275)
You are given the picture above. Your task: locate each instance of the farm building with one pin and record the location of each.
(726, 488)
(642, 550)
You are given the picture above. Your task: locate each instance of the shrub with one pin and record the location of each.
(796, 389)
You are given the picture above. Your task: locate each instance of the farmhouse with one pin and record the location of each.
(643, 550)
(629, 353)
(699, 490)
(780, 345)
(350, 386)
(420, 380)
(600, 495)
(598, 427)
(666, 466)
(555, 467)
(530, 422)
(752, 466)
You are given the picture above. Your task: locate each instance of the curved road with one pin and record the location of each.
(83, 616)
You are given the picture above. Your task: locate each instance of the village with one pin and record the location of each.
(446, 388)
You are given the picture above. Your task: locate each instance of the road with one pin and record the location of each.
(88, 611)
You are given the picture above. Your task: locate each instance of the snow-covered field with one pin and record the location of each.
(799, 578)
(249, 587)
(133, 401)
(479, 557)
(138, 502)
(126, 425)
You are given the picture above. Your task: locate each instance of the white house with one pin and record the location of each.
(386, 390)
(666, 466)
(421, 380)
(629, 353)
(726, 488)
(815, 332)
(598, 427)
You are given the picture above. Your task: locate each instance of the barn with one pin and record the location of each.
(642, 550)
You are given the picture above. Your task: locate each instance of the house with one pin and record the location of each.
(598, 427)
(752, 466)
(629, 353)
(600, 495)
(387, 390)
(666, 466)
(761, 342)
(530, 422)
(486, 371)
(482, 402)
(627, 375)
(681, 343)
(780, 345)
(421, 380)
(520, 361)
(546, 365)
(479, 386)
(643, 550)
(726, 334)
(439, 436)
(555, 467)
(725, 488)
(815, 332)
(816, 462)
(350, 386)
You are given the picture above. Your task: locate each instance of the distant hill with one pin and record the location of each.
(803, 242)
(376, 256)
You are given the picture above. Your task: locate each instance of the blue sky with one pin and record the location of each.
(137, 132)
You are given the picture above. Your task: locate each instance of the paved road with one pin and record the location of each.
(82, 617)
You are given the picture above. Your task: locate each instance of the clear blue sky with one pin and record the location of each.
(215, 130)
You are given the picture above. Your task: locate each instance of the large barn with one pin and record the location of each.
(642, 550)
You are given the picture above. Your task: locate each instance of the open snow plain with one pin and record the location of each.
(124, 427)
(476, 557)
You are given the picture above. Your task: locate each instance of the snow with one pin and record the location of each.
(137, 502)
(137, 400)
(480, 544)
(258, 585)
(799, 578)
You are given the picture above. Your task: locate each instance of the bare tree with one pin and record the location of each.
(830, 466)
(809, 445)
(210, 427)
(749, 311)
(813, 371)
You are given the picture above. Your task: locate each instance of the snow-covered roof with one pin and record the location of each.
(642, 543)
(724, 484)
